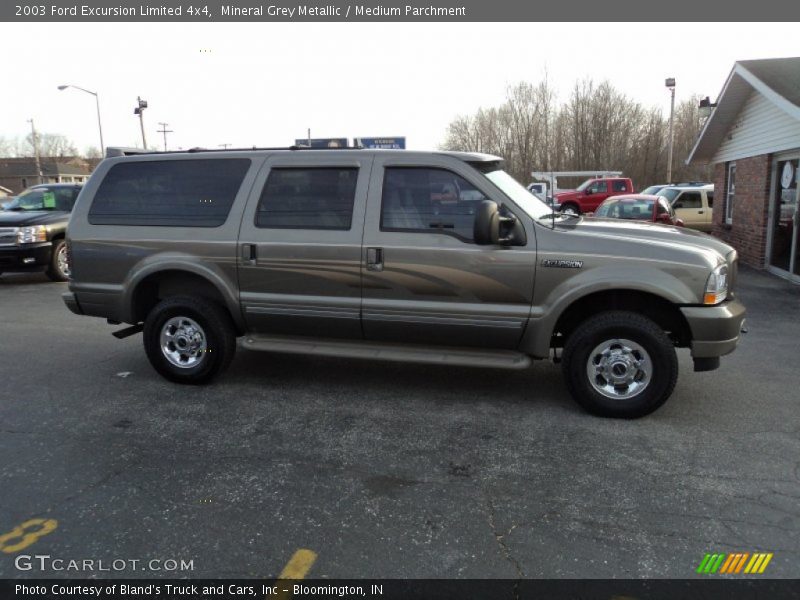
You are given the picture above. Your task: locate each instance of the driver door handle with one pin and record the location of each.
(374, 259)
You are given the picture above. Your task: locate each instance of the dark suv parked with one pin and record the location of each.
(32, 230)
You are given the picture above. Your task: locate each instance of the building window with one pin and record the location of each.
(730, 190)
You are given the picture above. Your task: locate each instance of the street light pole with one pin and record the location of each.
(139, 110)
(670, 83)
(97, 102)
(35, 137)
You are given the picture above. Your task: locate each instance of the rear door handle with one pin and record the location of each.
(249, 254)
(374, 259)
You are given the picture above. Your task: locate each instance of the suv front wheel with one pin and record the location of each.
(189, 340)
(620, 364)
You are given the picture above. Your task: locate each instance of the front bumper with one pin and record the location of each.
(715, 329)
(27, 257)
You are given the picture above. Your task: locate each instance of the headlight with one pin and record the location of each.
(716, 286)
(31, 235)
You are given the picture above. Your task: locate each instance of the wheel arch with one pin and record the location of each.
(553, 330)
(153, 284)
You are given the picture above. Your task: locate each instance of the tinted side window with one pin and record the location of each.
(710, 198)
(184, 193)
(429, 200)
(599, 187)
(308, 198)
(619, 185)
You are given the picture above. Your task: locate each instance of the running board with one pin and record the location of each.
(439, 355)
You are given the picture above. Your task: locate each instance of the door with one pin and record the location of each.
(689, 208)
(425, 280)
(299, 249)
(598, 191)
(784, 217)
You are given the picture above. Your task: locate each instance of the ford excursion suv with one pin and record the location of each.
(435, 257)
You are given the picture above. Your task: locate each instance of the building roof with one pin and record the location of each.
(777, 79)
(26, 166)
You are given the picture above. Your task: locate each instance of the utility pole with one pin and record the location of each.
(165, 131)
(36, 151)
(670, 83)
(139, 110)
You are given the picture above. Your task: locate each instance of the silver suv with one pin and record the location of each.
(412, 256)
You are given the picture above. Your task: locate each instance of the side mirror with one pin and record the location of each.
(492, 227)
(487, 223)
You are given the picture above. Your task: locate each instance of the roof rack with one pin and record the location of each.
(112, 152)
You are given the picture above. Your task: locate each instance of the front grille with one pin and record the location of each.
(8, 236)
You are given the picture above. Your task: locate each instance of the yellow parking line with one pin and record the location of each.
(296, 569)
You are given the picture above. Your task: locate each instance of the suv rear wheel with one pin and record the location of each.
(189, 340)
(620, 364)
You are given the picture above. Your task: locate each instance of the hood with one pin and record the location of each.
(567, 195)
(652, 233)
(23, 218)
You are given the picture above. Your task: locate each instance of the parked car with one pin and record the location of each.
(638, 207)
(693, 205)
(655, 189)
(591, 193)
(352, 253)
(33, 227)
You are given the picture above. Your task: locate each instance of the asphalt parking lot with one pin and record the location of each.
(389, 470)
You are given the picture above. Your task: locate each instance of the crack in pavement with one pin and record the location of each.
(500, 539)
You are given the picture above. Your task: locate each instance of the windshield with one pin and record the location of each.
(626, 208)
(670, 194)
(652, 190)
(43, 199)
(522, 197)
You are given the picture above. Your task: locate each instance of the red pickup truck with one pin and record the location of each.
(591, 193)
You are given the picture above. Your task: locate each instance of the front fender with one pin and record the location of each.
(549, 307)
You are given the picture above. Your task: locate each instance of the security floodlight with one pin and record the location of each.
(670, 82)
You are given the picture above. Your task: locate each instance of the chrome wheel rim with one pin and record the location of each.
(619, 369)
(569, 211)
(61, 261)
(183, 342)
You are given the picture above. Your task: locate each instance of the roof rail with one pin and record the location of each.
(111, 152)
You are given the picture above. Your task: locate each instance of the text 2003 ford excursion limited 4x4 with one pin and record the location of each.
(411, 256)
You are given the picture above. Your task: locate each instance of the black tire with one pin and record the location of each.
(54, 270)
(217, 331)
(570, 207)
(608, 328)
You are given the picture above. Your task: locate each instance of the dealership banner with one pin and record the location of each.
(380, 143)
(321, 142)
(408, 10)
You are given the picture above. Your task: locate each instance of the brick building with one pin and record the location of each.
(17, 174)
(753, 140)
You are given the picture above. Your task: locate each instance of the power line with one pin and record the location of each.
(165, 131)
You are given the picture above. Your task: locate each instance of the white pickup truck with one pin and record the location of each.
(693, 205)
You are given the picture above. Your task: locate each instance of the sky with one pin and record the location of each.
(265, 84)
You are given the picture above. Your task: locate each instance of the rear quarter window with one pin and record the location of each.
(182, 193)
